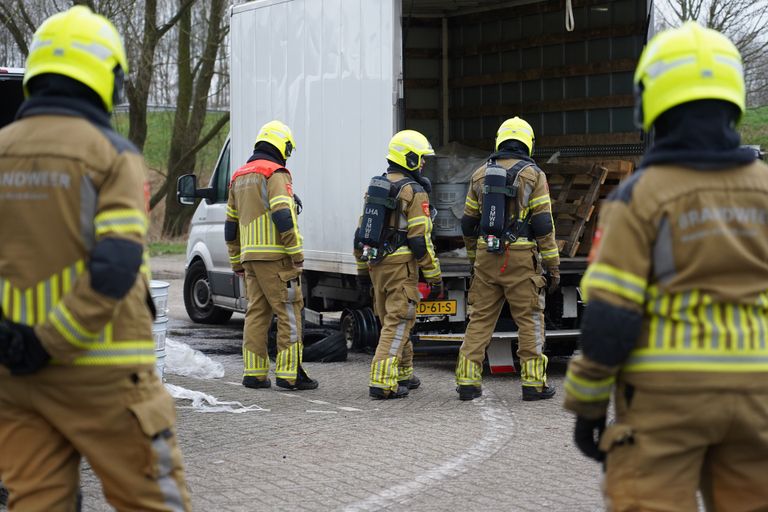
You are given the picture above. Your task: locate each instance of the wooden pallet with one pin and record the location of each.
(574, 189)
(618, 171)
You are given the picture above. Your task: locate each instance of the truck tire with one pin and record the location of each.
(331, 349)
(360, 329)
(198, 299)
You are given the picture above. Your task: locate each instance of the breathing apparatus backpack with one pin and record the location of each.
(500, 188)
(375, 236)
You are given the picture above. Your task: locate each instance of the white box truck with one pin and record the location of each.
(346, 74)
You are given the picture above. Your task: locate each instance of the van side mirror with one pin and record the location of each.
(187, 191)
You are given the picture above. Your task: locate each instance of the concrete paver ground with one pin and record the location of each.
(335, 449)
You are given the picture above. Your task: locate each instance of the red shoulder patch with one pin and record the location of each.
(425, 207)
(289, 189)
(595, 245)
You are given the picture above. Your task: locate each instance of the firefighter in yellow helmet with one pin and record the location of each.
(509, 234)
(677, 315)
(77, 364)
(265, 246)
(392, 242)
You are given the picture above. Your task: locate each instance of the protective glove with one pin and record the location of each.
(20, 348)
(553, 279)
(364, 288)
(586, 435)
(299, 204)
(436, 290)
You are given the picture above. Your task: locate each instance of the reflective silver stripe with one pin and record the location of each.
(397, 340)
(663, 255)
(118, 353)
(289, 308)
(686, 317)
(97, 50)
(728, 61)
(23, 308)
(738, 327)
(168, 485)
(659, 324)
(265, 193)
(537, 326)
(660, 67)
(761, 327)
(710, 309)
(698, 358)
(88, 204)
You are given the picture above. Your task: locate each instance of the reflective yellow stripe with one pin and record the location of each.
(231, 212)
(234, 259)
(16, 310)
(611, 279)
(697, 361)
(417, 221)
(129, 220)
(549, 254)
(431, 273)
(361, 264)
(536, 201)
(119, 353)
(471, 204)
(281, 199)
(468, 373)
(69, 328)
(586, 390)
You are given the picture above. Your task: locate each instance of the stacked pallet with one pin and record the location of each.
(576, 190)
(618, 171)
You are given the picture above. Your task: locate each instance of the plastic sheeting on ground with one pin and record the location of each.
(181, 359)
(203, 402)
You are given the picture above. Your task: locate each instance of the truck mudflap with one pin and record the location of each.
(499, 351)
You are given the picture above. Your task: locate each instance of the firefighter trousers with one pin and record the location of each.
(395, 296)
(664, 446)
(122, 422)
(273, 288)
(514, 277)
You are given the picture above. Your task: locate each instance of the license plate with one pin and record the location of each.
(436, 307)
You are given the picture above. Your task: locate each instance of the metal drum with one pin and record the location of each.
(159, 291)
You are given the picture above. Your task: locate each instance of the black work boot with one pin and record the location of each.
(256, 383)
(385, 394)
(412, 383)
(302, 382)
(530, 393)
(469, 392)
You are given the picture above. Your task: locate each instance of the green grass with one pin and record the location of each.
(754, 127)
(159, 126)
(164, 248)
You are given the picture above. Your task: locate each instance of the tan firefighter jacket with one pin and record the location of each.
(68, 182)
(412, 219)
(261, 192)
(683, 255)
(532, 201)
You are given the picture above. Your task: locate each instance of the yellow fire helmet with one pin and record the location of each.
(279, 135)
(685, 64)
(516, 129)
(408, 149)
(80, 45)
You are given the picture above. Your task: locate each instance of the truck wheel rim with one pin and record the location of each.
(201, 294)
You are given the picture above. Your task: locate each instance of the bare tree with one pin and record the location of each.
(138, 86)
(742, 21)
(195, 77)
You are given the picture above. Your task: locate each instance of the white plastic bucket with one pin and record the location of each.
(159, 292)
